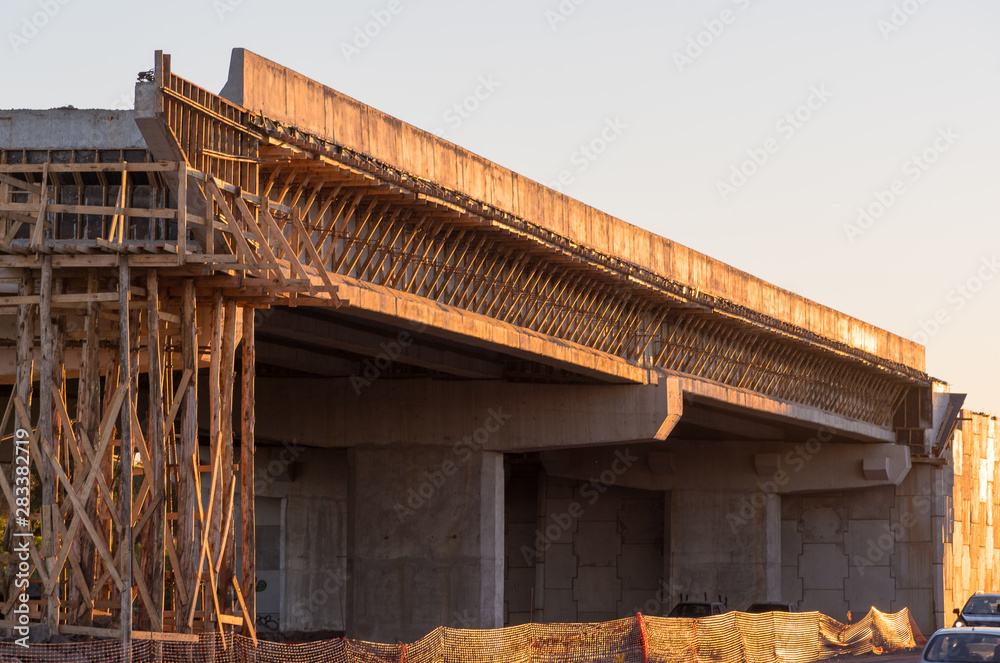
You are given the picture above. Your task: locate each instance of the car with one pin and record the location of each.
(963, 645)
(980, 610)
(771, 606)
(694, 610)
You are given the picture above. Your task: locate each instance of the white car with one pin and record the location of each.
(963, 645)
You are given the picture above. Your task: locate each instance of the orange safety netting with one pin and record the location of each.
(734, 637)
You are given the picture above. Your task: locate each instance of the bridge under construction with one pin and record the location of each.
(282, 359)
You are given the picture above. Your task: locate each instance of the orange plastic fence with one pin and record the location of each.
(734, 637)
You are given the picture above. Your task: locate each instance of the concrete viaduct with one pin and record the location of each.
(468, 399)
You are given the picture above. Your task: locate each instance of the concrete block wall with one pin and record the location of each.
(586, 553)
(874, 547)
(972, 545)
(309, 539)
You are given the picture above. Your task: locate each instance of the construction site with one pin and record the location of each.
(278, 368)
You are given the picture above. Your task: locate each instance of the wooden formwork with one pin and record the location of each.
(118, 460)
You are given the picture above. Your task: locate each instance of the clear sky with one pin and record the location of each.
(846, 150)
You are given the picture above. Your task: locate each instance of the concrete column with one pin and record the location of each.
(425, 540)
(725, 543)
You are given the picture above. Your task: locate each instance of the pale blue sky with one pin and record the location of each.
(554, 84)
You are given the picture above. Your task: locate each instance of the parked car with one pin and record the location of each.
(771, 606)
(963, 645)
(980, 610)
(694, 610)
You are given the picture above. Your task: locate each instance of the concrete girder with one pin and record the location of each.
(491, 415)
(398, 347)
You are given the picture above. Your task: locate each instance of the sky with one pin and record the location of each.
(848, 151)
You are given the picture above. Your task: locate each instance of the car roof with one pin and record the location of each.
(992, 595)
(990, 630)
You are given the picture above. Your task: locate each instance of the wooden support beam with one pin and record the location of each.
(45, 408)
(247, 496)
(227, 549)
(248, 620)
(182, 204)
(127, 560)
(215, 421)
(80, 513)
(189, 484)
(38, 232)
(153, 534)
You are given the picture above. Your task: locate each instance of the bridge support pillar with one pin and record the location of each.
(425, 540)
(725, 543)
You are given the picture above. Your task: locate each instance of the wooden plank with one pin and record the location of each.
(229, 619)
(147, 600)
(60, 300)
(182, 215)
(204, 517)
(78, 576)
(248, 621)
(311, 250)
(262, 240)
(283, 241)
(175, 564)
(178, 399)
(201, 559)
(20, 184)
(38, 232)
(151, 167)
(234, 228)
(160, 636)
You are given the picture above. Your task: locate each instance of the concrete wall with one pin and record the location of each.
(972, 550)
(425, 541)
(289, 97)
(309, 538)
(585, 552)
(69, 128)
(875, 547)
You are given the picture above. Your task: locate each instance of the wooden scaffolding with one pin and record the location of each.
(132, 278)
